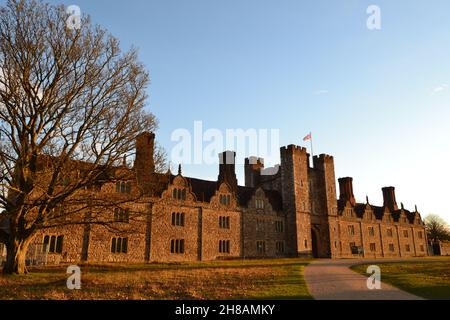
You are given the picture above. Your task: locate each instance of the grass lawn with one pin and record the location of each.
(426, 279)
(250, 279)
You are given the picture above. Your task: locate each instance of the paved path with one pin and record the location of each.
(333, 280)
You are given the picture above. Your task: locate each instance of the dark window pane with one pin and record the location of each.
(113, 245)
(119, 245)
(59, 244)
(45, 245)
(181, 246)
(172, 246)
(52, 244)
(125, 245)
(173, 218)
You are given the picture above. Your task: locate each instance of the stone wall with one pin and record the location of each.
(377, 242)
(300, 216)
(263, 223)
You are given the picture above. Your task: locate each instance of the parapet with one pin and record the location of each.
(324, 157)
(321, 160)
(293, 149)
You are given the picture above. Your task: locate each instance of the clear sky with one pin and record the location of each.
(379, 101)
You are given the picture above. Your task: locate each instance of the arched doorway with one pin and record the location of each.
(314, 239)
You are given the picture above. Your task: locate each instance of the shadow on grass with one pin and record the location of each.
(282, 280)
(108, 268)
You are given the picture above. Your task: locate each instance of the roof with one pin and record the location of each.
(204, 190)
(380, 210)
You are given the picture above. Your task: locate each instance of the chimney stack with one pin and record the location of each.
(389, 198)
(144, 162)
(346, 190)
(227, 169)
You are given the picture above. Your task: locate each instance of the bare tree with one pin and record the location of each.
(437, 228)
(71, 106)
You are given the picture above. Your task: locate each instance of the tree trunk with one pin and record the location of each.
(16, 251)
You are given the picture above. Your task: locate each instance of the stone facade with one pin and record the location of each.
(289, 211)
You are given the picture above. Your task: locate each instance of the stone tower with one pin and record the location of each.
(296, 199)
(324, 215)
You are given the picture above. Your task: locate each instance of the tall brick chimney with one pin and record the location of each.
(227, 169)
(144, 162)
(389, 198)
(346, 190)
(253, 167)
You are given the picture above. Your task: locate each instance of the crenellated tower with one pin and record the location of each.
(324, 208)
(296, 199)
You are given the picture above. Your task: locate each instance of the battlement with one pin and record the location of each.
(294, 148)
(324, 157)
(321, 161)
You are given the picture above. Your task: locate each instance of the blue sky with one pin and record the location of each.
(376, 100)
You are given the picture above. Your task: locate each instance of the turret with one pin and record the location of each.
(296, 199)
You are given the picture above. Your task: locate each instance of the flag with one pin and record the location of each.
(308, 137)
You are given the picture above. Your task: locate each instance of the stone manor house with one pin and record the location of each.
(294, 212)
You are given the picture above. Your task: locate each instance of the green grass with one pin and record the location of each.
(248, 279)
(426, 279)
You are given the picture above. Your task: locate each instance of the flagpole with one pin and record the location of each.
(312, 150)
